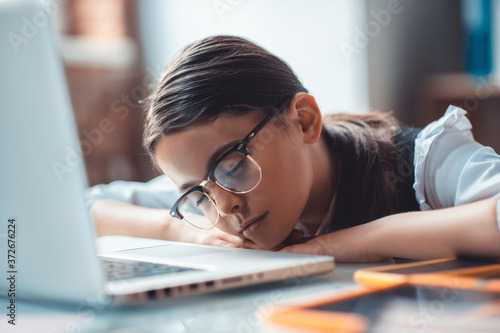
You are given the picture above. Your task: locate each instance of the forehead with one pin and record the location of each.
(183, 155)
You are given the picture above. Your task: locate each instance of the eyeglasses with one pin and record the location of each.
(235, 171)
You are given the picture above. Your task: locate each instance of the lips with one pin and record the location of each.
(249, 227)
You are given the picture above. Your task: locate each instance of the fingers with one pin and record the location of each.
(251, 245)
(237, 241)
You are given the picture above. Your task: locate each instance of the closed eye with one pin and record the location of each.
(201, 201)
(234, 170)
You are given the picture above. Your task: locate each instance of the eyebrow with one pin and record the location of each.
(211, 161)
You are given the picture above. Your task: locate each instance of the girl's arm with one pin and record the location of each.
(470, 229)
(119, 218)
(141, 210)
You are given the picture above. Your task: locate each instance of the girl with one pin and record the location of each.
(240, 137)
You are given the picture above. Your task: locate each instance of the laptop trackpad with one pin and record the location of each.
(170, 251)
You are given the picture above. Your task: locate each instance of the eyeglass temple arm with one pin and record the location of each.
(256, 130)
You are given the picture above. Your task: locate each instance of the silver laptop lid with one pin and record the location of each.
(42, 178)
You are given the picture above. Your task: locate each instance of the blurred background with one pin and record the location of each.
(412, 58)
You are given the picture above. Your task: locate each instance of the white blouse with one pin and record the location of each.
(451, 169)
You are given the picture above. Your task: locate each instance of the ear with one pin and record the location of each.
(306, 112)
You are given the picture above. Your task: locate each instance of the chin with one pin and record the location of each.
(269, 244)
(270, 248)
(271, 237)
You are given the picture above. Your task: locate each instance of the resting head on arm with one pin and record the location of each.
(232, 126)
(114, 217)
(236, 131)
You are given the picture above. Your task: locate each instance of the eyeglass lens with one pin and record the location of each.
(237, 173)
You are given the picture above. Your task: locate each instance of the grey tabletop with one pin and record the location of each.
(236, 310)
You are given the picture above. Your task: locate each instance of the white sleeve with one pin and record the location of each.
(159, 192)
(451, 168)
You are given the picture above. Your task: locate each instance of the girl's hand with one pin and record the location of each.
(183, 232)
(347, 245)
(218, 237)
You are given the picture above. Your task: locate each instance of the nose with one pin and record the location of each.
(227, 203)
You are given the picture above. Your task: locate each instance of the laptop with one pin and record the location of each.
(47, 238)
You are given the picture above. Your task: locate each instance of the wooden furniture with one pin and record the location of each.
(479, 96)
(100, 47)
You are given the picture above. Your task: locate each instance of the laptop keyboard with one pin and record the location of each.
(118, 269)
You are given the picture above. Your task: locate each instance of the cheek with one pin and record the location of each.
(286, 173)
(289, 187)
(286, 185)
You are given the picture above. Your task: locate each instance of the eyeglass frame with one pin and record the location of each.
(240, 147)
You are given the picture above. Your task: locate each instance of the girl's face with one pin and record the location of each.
(267, 214)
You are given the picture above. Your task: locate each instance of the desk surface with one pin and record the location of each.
(237, 310)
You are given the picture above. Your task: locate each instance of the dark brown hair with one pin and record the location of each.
(220, 74)
(226, 74)
(374, 163)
